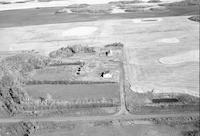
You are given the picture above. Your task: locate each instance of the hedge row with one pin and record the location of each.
(37, 82)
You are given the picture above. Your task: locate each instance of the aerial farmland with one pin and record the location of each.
(95, 68)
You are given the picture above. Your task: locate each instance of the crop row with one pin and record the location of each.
(37, 82)
(50, 105)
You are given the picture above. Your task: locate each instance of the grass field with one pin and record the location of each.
(144, 70)
(115, 128)
(55, 73)
(90, 72)
(77, 91)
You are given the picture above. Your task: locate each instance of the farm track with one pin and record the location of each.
(123, 108)
(63, 82)
(98, 118)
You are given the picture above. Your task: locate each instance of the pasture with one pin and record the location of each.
(74, 91)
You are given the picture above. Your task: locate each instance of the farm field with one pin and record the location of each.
(47, 86)
(89, 72)
(93, 68)
(152, 63)
(61, 73)
(177, 75)
(152, 127)
(140, 68)
(108, 128)
(75, 91)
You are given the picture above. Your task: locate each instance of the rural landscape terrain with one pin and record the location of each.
(99, 68)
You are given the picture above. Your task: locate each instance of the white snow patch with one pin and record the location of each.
(147, 20)
(64, 10)
(45, 49)
(161, 90)
(139, 89)
(79, 31)
(116, 10)
(169, 40)
(190, 92)
(108, 75)
(190, 56)
(19, 47)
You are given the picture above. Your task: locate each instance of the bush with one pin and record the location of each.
(62, 52)
(125, 2)
(90, 11)
(12, 74)
(70, 51)
(78, 6)
(119, 45)
(25, 62)
(21, 129)
(154, 1)
(195, 18)
(182, 3)
(5, 2)
(11, 93)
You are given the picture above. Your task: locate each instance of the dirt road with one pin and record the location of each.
(97, 118)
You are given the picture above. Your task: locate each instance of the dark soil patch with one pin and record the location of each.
(34, 17)
(165, 100)
(70, 51)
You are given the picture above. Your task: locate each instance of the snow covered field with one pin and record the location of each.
(188, 56)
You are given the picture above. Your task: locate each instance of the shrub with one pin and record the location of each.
(195, 18)
(125, 2)
(21, 128)
(62, 52)
(78, 6)
(70, 51)
(154, 1)
(117, 44)
(11, 94)
(182, 3)
(25, 62)
(12, 74)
